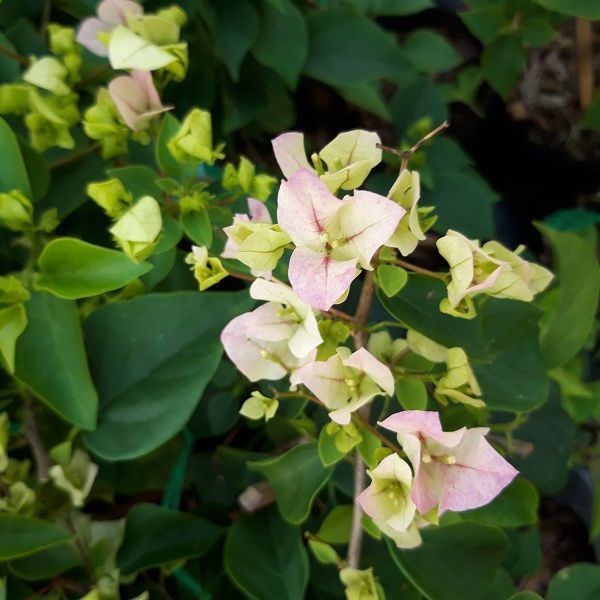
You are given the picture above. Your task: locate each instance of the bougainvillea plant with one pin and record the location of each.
(218, 383)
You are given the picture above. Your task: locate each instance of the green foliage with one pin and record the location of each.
(22, 536)
(265, 557)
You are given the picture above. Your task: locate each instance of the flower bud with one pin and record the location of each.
(111, 196)
(49, 74)
(16, 211)
(75, 478)
(361, 585)
(208, 270)
(259, 407)
(101, 122)
(193, 141)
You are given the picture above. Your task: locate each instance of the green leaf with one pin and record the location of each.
(337, 525)
(485, 23)
(397, 9)
(525, 596)
(567, 325)
(13, 175)
(38, 171)
(137, 179)
(155, 535)
(581, 581)
(198, 228)
(25, 535)
(168, 129)
(51, 360)
(296, 478)
(430, 52)
(73, 269)
(151, 358)
(366, 95)
(516, 506)
(422, 98)
(328, 451)
(391, 279)
(411, 393)
(467, 573)
(501, 342)
(463, 201)
(591, 119)
(47, 563)
(9, 68)
(502, 62)
(347, 48)
(235, 26)
(13, 321)
(282, 28)
(537, 31)
(575, 8)
(265, 558)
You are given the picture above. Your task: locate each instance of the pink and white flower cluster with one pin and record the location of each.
(451, 470)
(331, 241)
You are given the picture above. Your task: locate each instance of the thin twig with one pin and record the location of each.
(386, 442)
(22, 60)
(40, 454)
(74, 156)
(584, 37)
(361, 317)
(338, 314)
(416, 269)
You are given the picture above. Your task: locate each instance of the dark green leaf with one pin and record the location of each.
(169, 127)
(47, 563)
(347, 48)
(73, 269)
(463, 556)
(283, 41)
(51, 360)
(366, 95)
(422, 98)
(25, 535)
(151, 359)
(38, 172)
(430, 52)
(567, 326)
(13, 175)
(296, 477)
(235, 26)
(581, 581)
(485, 23)
(501, 342)
(502, 62)
(155, 535)
(585, 9)
(265, 557)
(198, 227)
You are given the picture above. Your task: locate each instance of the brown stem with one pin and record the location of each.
(416, 269)
(338, 314)
(14, 56)
(361, 318)
(386, 442)
(73, 157)
(40, 454)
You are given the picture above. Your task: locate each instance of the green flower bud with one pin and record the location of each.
(76, 478)
(334, 334)
(12, 291)
(243, 179)
(459, 384)
(345, 437)
(62, 39)
(102, 122)
(19, 501)
(207, 270)
(111, 196)
(16, 211)
(173, 13)
(259, 407)
(137, 230)
(193, 141)
(50, 119)
(361, 585)
(15, 99)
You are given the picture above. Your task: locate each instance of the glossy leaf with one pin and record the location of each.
(567, 326)
(283, 27)
(73, 269)
(336, 527)
(456, 573)
(13, 175)
(151, 359)
(265, 557)
(51, 361)
(155, 535)
(26, 535)
(296, 477)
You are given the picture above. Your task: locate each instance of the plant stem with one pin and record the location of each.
(416, 269)
(361, 318)
(74, 157)
(14, 56)
(40, 454)
(364, 423)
